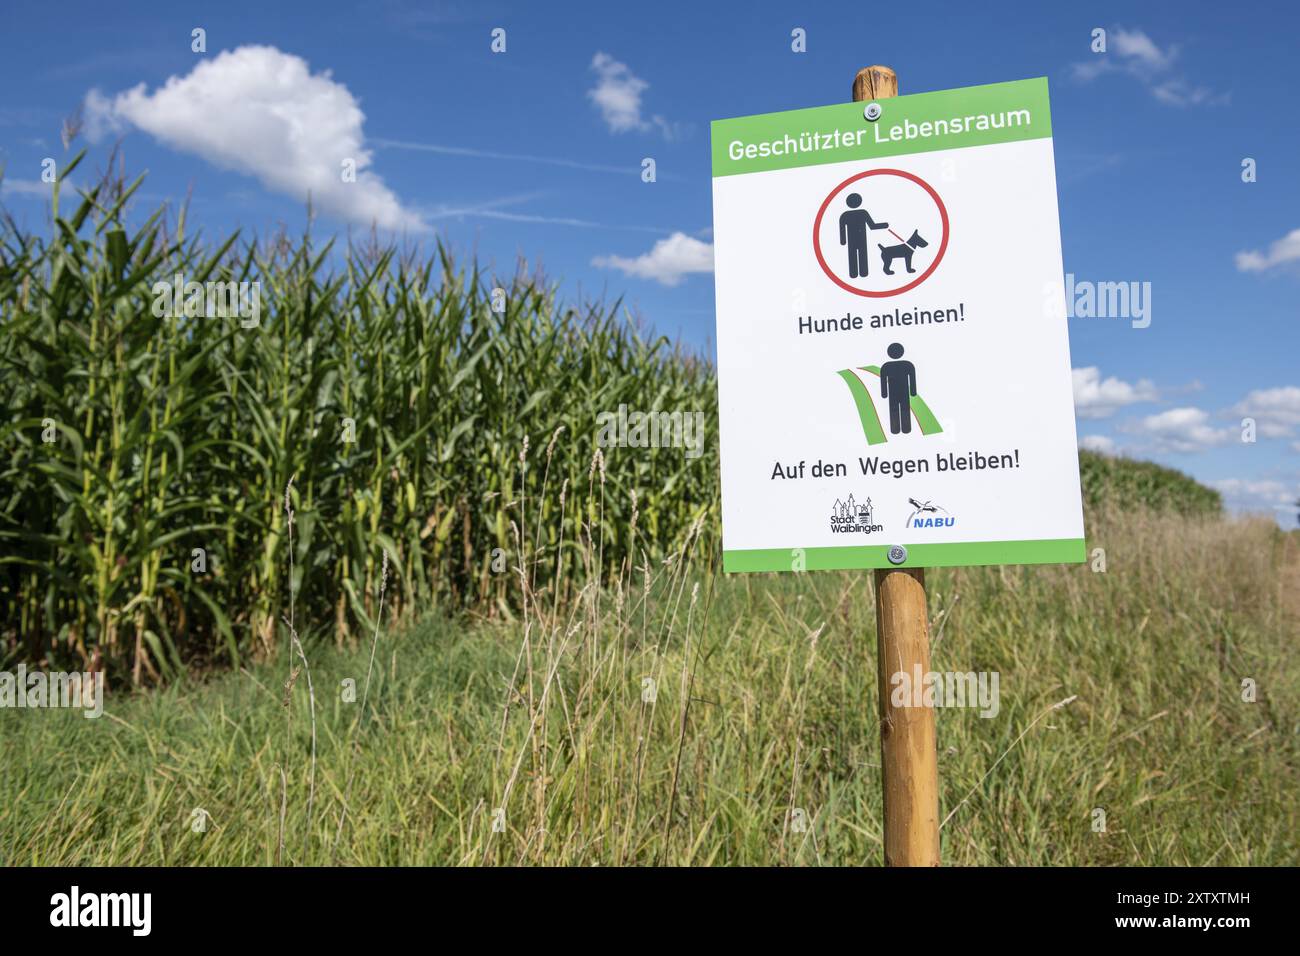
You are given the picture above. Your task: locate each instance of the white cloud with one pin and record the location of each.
(1255, 495)
(37, 188)
(1095, 397)
(617, 94)
(1284, 251)
(260, 111)
(1276, 410)
(1134, 53)
(1100, 443)
(1180, 430)
(1128, 51)
(667, 262)
(1137, 47)
(1179, 92)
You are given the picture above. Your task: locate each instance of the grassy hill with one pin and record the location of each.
(1111, 481)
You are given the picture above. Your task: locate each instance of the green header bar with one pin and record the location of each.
(948, 119)
(1049, 551)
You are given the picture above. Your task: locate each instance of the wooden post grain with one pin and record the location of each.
(874, 83)
(909, 761)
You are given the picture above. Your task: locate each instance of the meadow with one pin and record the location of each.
(470, 637)
(674, 716)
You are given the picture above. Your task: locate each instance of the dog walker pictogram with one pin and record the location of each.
(866, 204)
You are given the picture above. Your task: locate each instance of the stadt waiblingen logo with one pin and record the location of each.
(849, 516)
(926, 514)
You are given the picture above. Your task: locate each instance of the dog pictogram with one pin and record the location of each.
(903, 250)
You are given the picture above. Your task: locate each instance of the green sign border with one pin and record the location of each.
(920, 123)
(955, 554)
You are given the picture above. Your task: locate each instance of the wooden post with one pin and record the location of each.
(874, 83)
(909, 761)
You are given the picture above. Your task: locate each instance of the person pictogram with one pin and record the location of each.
(898, 385)
(853, 233)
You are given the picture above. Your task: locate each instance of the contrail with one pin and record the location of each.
(516, 157)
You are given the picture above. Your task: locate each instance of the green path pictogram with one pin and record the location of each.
(871, 427)
(866, 408)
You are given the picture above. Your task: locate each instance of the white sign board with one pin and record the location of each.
(893, 360)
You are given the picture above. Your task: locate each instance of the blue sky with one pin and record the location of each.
(536, 152)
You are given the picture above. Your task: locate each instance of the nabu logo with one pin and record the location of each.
(849, 516)
(927, 514)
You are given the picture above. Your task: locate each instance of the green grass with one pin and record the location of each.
(780, 672)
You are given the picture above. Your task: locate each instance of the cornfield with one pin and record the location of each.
(1125, 483)
(386, 396)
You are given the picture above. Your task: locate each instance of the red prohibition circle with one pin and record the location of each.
(943, 245)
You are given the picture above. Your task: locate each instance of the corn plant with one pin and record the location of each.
(146, 455)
